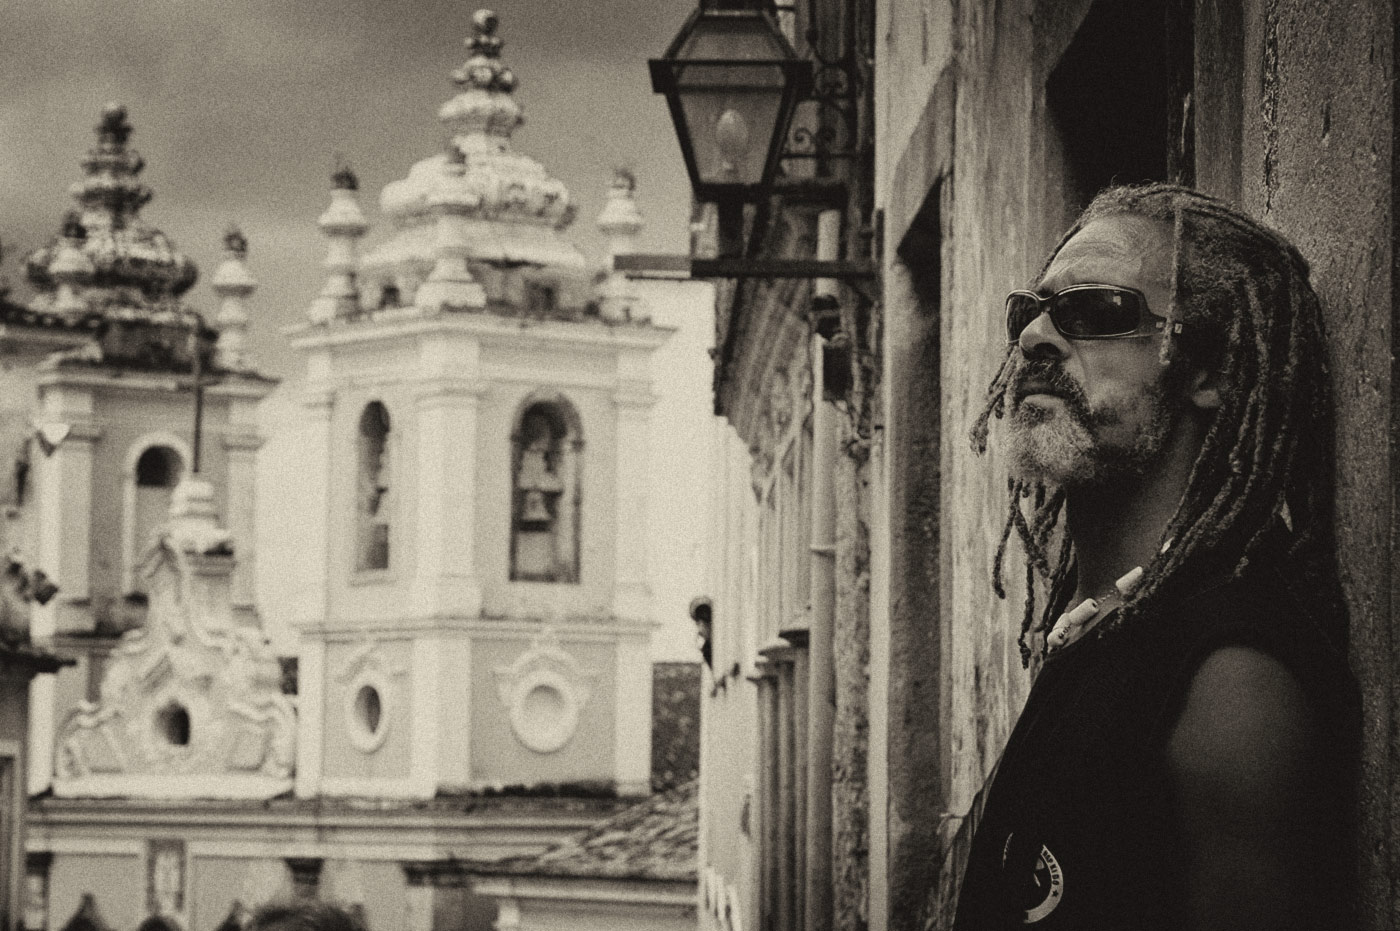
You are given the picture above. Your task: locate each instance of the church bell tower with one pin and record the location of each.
(476, 418)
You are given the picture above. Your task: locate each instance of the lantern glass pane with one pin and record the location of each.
(731, 112)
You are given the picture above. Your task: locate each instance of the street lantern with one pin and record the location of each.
(731, 79)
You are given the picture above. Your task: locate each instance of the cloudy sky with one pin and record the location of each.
(239, 107)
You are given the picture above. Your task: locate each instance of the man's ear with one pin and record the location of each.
(1203, 389)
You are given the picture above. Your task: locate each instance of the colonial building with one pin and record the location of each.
(475, 535)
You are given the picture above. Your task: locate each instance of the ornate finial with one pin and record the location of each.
(114, 129)
(486, 22)
(343, 178)
(483, 69)
(73, 226)
(624, 180)
(235, 241)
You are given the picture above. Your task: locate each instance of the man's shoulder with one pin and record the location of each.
(1259, 634)
(1268, 610)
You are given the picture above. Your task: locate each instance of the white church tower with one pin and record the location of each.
(476, 419)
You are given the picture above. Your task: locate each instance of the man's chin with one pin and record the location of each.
(1045, 450)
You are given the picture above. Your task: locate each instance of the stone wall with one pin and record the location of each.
(1317, 162)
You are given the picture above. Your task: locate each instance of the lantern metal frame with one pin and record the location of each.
(831, 84)
(796, 85)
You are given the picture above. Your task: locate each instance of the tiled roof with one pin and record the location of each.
(654, 840)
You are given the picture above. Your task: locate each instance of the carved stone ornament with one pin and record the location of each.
(782, 402)
(371, 692)
(512, 210)
(544, 691)
(191, 704)
(804, 383)
(129, 269)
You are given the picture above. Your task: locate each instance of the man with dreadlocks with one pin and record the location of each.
(1185, 757)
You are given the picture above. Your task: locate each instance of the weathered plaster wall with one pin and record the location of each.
(998, 207)
(914, 44)
(100, 874)
(1318, 163)
(916, 761)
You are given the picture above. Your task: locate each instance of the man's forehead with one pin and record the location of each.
(1122, 247)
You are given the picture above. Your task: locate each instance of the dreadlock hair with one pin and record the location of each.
(1262, 482)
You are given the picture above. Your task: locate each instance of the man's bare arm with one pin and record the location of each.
(1243, 761)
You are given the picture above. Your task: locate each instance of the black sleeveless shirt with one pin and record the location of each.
(1078, 829)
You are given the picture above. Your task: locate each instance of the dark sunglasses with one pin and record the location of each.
(1086, 311)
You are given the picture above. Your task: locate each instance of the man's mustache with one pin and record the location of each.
(1043, 376)
(1047, 376)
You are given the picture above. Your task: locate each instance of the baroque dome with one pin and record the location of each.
(130, 266)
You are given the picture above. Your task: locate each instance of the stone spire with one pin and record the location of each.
(509, 212)
(233, 284)
(451, 285)
(70, 269)
(620, 222)
(484, 114)
(343, 224)
(135, 269)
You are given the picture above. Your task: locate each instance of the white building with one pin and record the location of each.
(475, 545)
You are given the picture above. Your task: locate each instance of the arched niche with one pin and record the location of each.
(546, 489)
(373, 498)
(155, 463)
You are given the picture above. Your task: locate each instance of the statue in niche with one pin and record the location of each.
(376, 480)
(374, 486)
(538, 478)
(544, 530)
(165, 877)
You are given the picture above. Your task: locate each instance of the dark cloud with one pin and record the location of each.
(240, 106)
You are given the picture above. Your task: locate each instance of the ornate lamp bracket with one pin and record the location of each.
(836, 87)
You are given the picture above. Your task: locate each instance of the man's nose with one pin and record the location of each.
(1040, 339)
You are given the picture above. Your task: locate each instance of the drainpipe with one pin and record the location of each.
(821, 702)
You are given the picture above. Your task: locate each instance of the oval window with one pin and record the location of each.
(368, 709)
(173, 724)
(544, 714)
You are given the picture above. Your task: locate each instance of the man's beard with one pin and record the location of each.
(1061, 446)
